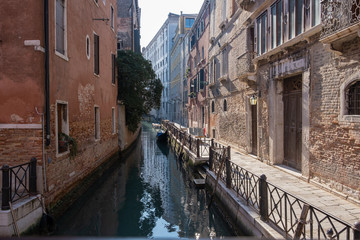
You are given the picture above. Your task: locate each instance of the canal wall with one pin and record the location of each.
(241, 216)
(60, 206)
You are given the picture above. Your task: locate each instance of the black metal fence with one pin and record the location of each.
(18, 182)
(279, 207)
(284, 210)
(199, 146)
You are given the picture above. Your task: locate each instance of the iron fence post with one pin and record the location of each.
(211, 160)
(228, 172)
(357, 231)
(198, 148)
(263, 198)
(32, 176)
(212, 142)
(5, 187)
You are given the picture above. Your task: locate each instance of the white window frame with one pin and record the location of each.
(96, 2)
(344, 116)
(112, 18)
(57, 127)
(59, 54)
(88, 47)
(308, 24)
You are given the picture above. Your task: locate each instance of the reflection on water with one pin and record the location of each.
(146, 195)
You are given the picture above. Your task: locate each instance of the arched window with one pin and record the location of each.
(212, 106)
(353, 99)
(225, 105)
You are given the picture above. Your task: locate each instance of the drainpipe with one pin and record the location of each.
(47, 83)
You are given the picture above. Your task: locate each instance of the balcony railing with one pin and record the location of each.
(337, 15)
(18, 182)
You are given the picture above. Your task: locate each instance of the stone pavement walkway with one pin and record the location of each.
(291, 182)
(328, 202)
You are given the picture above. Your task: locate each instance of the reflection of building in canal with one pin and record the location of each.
(104, 199)
(180, 203)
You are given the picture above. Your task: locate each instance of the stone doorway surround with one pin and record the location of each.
(276, 118)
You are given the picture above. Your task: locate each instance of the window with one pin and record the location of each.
(112, 17)
(87, 46)
(62, 126)
(202, 79)
(315, 12)
(223, 13)
(284, 20)
(224, 70)
(261, 24)
(97, 122)
(96, 55)
(276, 24)
(113, 66)
(113, 120)
(353, 99)
(213, 106)
(60, 31)
(189, 22)
(225, 105)
(296, 17)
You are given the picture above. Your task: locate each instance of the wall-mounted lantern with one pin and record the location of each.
(253, 100)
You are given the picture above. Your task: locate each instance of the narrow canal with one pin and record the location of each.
(146, 195)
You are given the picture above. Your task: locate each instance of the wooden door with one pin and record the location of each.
(253, 129)
(293, 121)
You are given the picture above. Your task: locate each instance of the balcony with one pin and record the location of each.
(340, 19)
(245, 66)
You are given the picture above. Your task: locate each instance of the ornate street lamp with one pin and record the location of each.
(253, 100)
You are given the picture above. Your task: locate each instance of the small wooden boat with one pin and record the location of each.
(161, 136)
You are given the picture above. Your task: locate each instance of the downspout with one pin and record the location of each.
(47, 94)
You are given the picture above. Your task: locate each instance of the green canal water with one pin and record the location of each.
(147, 195)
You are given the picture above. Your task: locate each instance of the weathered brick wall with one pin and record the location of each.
(63, 172)
(18, 146)
(334, 144)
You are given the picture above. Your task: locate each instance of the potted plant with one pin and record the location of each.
(67, 142)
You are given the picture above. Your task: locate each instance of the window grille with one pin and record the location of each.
(353, 99)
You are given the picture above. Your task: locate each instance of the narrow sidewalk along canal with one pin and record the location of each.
(146, 195)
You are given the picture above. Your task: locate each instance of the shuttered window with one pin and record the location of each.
(60, 26)
(96, 55)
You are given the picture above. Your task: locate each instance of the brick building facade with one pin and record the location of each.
(128, 25)
(283, 85)
(197, 71)
(63, 82)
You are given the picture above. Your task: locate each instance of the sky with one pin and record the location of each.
(154, 13)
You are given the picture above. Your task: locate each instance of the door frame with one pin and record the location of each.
(276, 121)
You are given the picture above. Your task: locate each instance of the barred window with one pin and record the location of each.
(353, 99)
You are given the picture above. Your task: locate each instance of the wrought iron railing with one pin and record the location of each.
(18, 182)
(274, 204)
(281, 208)
(337, 15)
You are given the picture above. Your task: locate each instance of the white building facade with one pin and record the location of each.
(158, 52)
